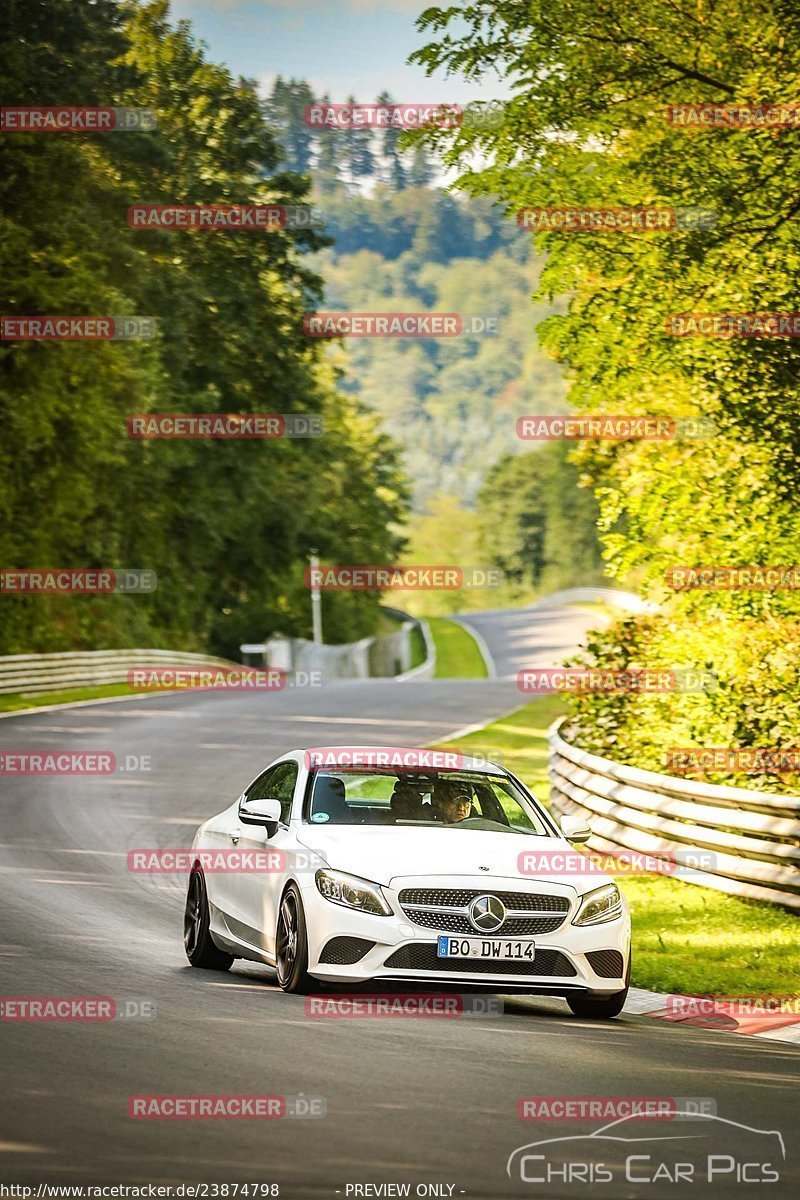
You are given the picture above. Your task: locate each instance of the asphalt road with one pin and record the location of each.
(539, 636)
(418, 1101)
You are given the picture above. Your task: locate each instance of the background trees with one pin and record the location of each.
(226, 525)
(587, 126)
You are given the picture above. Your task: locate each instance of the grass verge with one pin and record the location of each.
(686, 939)
(14, 701)
(457, 653)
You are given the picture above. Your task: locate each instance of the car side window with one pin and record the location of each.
(277, 783)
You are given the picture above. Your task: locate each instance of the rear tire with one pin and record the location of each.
(197, 940)
(291, 945)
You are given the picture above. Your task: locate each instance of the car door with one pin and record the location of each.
(258, 891)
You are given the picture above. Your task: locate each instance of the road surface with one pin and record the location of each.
(417, 1101)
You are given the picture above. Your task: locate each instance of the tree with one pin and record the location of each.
(588, 127)
(286, 109)
(360, 158)
(420, 173)
(596, 120)
(227, 526)
(328, 166)
(394, 173)
(537, 524)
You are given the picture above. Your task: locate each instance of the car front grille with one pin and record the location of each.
(446, 909)
(607, 964)
(423, 957)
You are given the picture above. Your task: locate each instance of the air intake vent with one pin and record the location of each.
(344, 951)
(608, 964)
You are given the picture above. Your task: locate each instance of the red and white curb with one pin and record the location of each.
(775, 1026)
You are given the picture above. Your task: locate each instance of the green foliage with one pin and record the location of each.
(445, 535)
(695, 941)
(586, 126)
(426, 223)
(452, 402)
(227, 526)
(285, 109)
(537, 524)
(342, 158)
(755, 701)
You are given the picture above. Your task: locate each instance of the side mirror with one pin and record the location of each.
(575, 829)
(261, 812)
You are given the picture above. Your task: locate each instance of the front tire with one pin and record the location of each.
(197, 940)
(291, 945)
(598, 1008)
(601, 1008)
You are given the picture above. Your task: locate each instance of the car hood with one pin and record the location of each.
(382, 854)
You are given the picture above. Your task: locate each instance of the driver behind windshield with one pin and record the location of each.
(452, 802)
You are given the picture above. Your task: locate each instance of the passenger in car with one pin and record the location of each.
(406, 803)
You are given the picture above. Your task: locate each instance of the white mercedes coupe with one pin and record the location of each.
(367, 865)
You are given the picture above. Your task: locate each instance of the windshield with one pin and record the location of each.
(456, 799)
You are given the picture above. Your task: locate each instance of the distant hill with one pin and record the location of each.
(402, 243)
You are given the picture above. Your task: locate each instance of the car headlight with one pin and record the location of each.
(352, 892)
(603, 904)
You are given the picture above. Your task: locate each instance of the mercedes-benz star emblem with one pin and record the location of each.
(487, 913)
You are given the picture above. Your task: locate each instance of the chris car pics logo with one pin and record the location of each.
(701, 1147)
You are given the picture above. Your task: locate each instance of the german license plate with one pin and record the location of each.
(499, 949)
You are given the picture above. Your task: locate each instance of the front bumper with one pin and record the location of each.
(394, 949)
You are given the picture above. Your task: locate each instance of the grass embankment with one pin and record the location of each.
(14, 701)
(686, 939)
(457, 653)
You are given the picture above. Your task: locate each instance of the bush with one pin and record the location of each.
(755, 703)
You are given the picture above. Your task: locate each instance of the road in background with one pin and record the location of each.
(542, 634)
(408, 1100)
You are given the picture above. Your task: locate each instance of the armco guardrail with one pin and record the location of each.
(381, 656)
(754, 836)
(30, 674)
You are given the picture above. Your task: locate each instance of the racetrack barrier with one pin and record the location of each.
(31, 674)
(755, 836)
